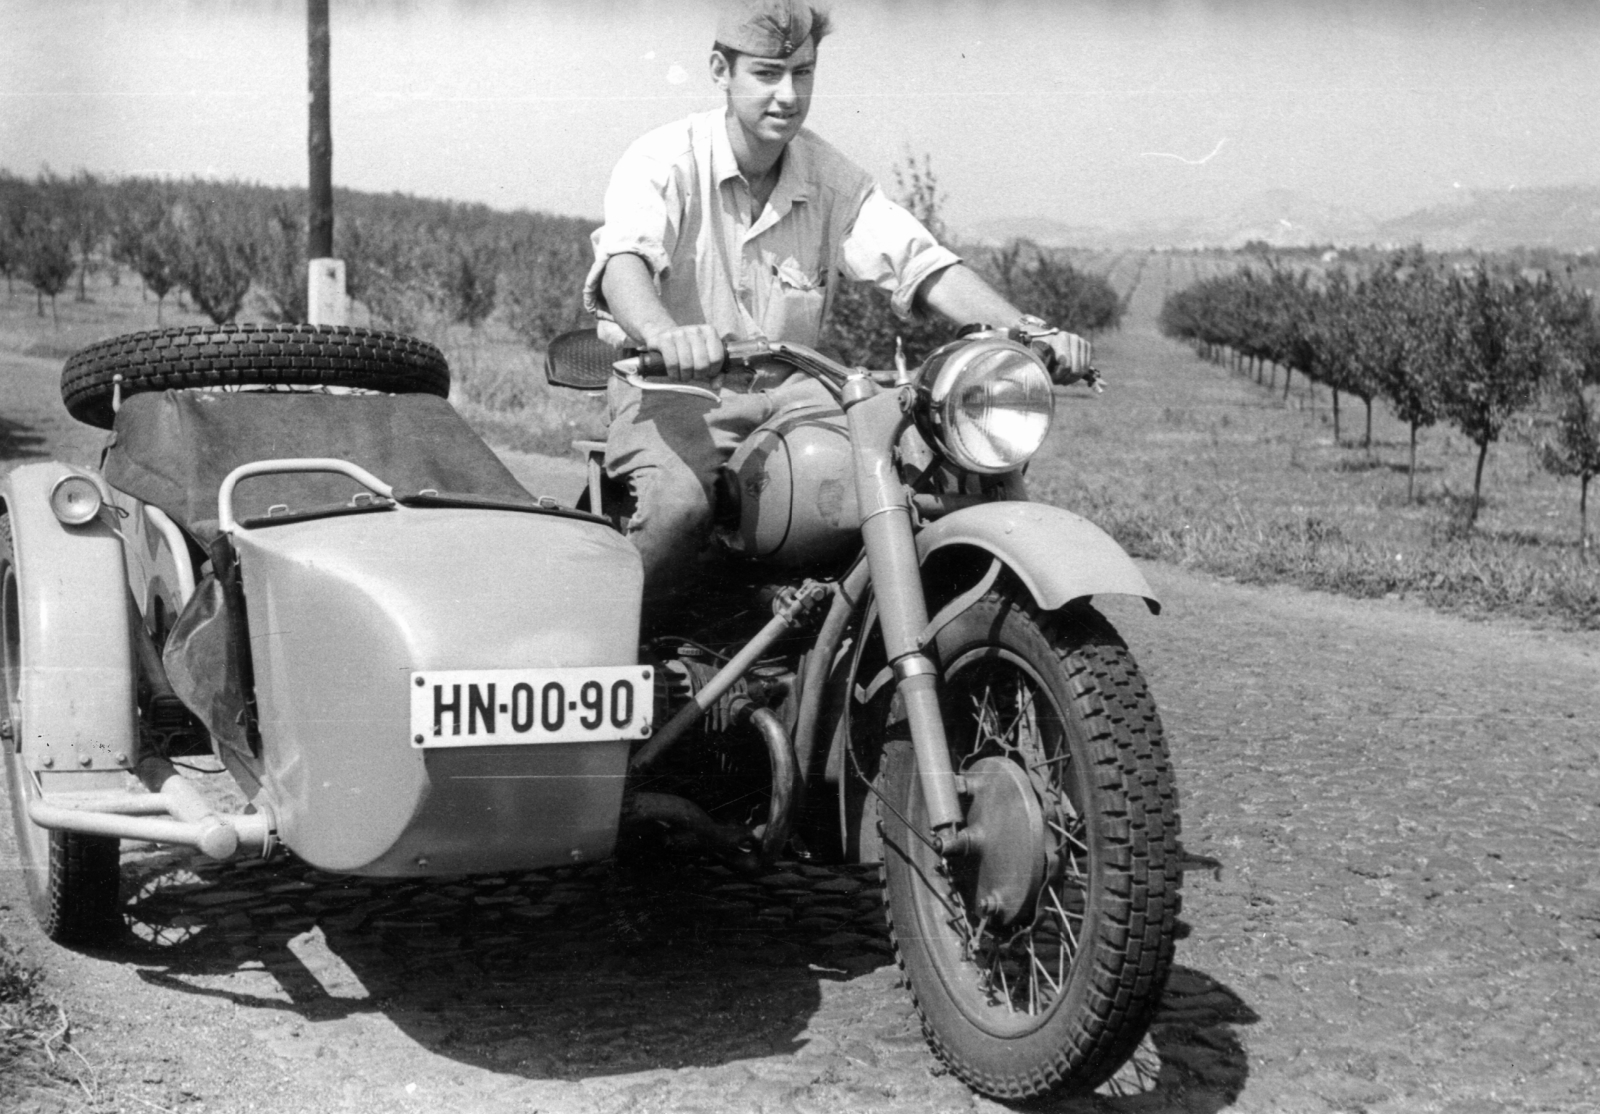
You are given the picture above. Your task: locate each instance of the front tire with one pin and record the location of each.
(1054, 991)
(73, 880)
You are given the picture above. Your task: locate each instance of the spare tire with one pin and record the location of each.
(249, 356)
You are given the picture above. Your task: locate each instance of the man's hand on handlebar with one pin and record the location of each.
(692, 353)
(1072, 356)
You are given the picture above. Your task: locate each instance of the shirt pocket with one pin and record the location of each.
(795, 298)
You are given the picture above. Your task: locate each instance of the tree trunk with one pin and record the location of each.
(1288, 373)
(1335, 417)
(1366, 439)
(1477, 484)
(38, 299)
(1411, 473)
(1583, 516)
(55, 319)
(159, 299)
(83, 277)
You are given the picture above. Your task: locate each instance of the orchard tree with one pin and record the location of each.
(14, 204)
(1569, 441)
(86, 219)
(46, 256)
(219, 256)
(544, 287)
(1499, 346)
(471, 282)
(282, 275)
(1403, 344)
(145, 239)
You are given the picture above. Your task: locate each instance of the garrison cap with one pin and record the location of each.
(765, 28)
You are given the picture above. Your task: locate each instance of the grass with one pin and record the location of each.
(1187, 462)
(33, 1029)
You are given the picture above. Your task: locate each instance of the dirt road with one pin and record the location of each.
(1405, 915)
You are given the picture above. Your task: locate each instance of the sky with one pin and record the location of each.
(1098, 113)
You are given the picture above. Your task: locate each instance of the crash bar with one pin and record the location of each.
(235, 832)
(225, 520)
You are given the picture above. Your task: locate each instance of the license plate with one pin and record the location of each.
(497, 707)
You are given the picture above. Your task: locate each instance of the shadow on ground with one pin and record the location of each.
(20, 441)
(582, 972)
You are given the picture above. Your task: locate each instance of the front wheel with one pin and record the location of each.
(1037, 959)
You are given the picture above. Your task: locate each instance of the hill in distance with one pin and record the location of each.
(1562, 218)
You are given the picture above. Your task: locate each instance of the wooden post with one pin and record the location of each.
(320, 135)
(325, 298)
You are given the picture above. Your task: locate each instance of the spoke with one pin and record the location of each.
(1066, 921)
(1033, 983)
(1024, 706)
(1076, 843)
(1043, 970)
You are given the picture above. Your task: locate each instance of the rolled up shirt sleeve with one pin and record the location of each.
(891, 248)
(641, 219)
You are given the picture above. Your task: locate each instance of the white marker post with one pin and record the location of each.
(326, 303)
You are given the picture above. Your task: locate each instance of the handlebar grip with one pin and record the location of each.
(651, 362)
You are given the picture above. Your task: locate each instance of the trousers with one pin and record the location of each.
(668, 448)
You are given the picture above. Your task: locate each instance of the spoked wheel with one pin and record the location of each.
(1037, 959)
(73, 880)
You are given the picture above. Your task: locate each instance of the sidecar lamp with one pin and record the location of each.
(75, 500)
(988, 404)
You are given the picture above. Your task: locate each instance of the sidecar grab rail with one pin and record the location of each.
(225, 520)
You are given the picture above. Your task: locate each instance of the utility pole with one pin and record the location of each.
(325, 300)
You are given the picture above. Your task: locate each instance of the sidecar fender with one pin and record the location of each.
(1059, 556)
(76, 690)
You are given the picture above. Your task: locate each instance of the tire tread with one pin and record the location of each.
(1134, 945)
(190, 356)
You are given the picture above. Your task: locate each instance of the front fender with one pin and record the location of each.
(77, 683)
(1059, 556)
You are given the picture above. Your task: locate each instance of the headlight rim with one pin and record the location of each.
(936, 381)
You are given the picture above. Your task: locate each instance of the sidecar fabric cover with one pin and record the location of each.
(173, 449)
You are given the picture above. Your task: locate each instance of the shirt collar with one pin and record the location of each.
(794, 172)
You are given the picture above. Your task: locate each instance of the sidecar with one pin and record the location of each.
(409, 664)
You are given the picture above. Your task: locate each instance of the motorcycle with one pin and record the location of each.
(940, 697)
(297, 558)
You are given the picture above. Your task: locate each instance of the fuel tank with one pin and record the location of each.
(344, 611)
(794, 484)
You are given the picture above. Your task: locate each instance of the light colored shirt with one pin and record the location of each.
(678, 201)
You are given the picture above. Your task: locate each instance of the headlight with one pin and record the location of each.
(75, 500)
(986, 404)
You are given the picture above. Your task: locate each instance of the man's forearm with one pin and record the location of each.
(959, 294)
(630, 294)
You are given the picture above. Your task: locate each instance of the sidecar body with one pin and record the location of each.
(409, 664)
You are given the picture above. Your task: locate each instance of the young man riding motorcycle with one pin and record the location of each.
(729, 225)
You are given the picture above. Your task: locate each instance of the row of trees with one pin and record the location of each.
(411, 261)
(407, 259)
(1480, 348)
(1035, 279)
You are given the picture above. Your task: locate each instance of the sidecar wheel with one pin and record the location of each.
(73, 880)
(248, 356)
(1038, 962)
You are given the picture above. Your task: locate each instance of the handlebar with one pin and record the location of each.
(648, 363)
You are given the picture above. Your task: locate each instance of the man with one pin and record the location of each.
(731, 225)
